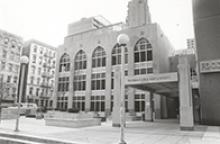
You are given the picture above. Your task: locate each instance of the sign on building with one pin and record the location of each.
(152, 78)
(210, 66)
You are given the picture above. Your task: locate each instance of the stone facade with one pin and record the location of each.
(88, 63)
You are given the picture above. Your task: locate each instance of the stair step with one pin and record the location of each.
(7, 140)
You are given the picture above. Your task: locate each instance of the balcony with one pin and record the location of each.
(46, 85)
(46, 75)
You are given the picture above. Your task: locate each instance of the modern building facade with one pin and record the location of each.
(41, 73)
(89, 61)
(207, 32)
(10, 51)
(191, 43)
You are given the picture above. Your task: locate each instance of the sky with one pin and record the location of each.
(47, 20)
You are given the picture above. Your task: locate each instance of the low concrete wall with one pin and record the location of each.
(73, 123)
(74, 120)
(9, 113)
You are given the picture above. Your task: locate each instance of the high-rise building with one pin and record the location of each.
(10, 50)
(89, 60)
(207, 33)
(41, 73)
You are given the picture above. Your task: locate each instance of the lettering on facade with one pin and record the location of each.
(210, 66)
(152, 78)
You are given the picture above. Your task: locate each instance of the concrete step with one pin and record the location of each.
(13, 138)
(7, 140)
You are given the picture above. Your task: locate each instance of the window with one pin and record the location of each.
(116, 55)
(112, 81)
(143, 51)
(98, 57)
(62, 102)
(3, 65)
(15, 79)
(4, 54)
(139, 103)
(10, 67)
(80, 60)
(97, 103)
(8, 79)
(13, 44)
(34, 58)
(141, 71)
(63, 84)
(6, 40)
(79, 102)
(38, 81)
(98, 81)
(35, 48)
(79, 82)
(33, 69)
(39, 71)
(37, 91)
(64, 63)
(30, 91)
(32, 80)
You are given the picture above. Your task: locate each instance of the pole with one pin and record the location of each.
(122, 101)
(20, 95)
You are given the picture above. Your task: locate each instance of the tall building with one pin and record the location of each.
(10, 50)
(41, 73)
(207, 32)
(89, 60)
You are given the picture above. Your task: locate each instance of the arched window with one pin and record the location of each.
(99, 57)
(143, 51)
(80, 60)
(64, 63)
(116, 55)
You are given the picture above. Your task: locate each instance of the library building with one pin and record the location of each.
(94, 69)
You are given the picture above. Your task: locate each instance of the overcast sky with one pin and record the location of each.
(47, 20)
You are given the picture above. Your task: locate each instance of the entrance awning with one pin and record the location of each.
(164, 83)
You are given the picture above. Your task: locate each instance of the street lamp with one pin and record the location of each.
(23, 61)
(122, 40)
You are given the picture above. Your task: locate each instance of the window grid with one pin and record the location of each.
(98, 81)
(143, 51)
(79, 82)
(99, 58)
(80, 60)
(98, 103)
(64, 63)
(116, 55)
(63, 84)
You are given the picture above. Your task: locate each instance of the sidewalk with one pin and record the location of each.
(159, 132)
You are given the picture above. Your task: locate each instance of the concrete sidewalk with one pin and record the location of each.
(159, 132)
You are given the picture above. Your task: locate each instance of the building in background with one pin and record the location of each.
(41, 73)
(10, 50)
(89, 61)
(207, 34)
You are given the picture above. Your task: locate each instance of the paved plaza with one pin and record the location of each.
(138, 132)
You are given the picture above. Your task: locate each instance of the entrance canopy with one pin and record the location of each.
(164, 83)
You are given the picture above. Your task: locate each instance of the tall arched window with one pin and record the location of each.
(99, 57)
(80, 60)
(143, 51)
(116, 55)
(64, 63)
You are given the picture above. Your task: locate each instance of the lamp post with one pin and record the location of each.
(122, 40)
(24, 61)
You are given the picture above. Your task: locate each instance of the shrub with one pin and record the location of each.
(73, 110)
